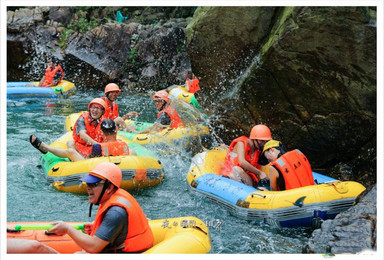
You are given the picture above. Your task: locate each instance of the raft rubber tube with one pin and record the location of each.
(168, 135)
(139, 171)
(17, 90)
(182, 235)
(289, 208)
(181, 93)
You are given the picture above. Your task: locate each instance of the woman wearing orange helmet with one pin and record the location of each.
(120, 224)
(112, 91)
(167, 115)
(86, 133)
(242, 160)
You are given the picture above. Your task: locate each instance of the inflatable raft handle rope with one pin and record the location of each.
(44, 227)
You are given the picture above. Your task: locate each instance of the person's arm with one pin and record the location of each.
(24, 246)
(81, 130)
(41, 81)
(162, 122)
(91, 244)
(62, 74)
(245, 164)
(273, 175)
(133, 113)
(86, 138)
(158, 127)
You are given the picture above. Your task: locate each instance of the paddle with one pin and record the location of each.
(44, 227)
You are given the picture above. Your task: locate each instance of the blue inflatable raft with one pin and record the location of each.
(300, 207)
(17, 90)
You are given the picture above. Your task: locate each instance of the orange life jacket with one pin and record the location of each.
(193, 85)
(94, 131)
(175, 118)
(112, 109)
(50, 75)
(229, 162)
(295, 168)
(114, 148)
(139, 236)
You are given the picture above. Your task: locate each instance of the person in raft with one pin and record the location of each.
(242, 160)
(110, 146)
(120, 225)
(167, 115)
(112, 91)
(54, 74)
(287, 170)
(192, 83)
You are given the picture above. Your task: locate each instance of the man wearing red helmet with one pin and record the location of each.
(120, 224)
(242, 160)
(86, 133)
(167, 115)
(112, 91)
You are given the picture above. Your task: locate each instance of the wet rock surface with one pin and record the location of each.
(309, 73)
(132, 54)
(352, 231)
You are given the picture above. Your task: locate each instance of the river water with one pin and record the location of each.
(31, 198)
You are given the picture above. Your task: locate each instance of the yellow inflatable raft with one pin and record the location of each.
(181, 93)
(167, 135)
(139, 171)
(183, 235)
(305, 206)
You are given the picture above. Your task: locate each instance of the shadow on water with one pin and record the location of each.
(30, 198)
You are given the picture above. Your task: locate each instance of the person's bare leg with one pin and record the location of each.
(239, 175)
(70, 153)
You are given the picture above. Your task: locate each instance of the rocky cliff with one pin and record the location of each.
(309, 73)
(140, 56)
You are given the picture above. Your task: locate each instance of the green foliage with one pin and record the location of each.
(133, 62)
(180, 49)
(63, 42)
(82, 25)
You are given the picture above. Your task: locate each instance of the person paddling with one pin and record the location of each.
(120, 224)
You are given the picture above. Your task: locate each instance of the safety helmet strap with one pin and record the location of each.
(105, 186)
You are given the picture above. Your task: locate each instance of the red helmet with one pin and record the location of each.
(97, 101)
(111, 87)
(162, 94)
(108, 171)
(260, 132)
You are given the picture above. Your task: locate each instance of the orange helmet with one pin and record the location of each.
(108, 171)
(97, 101)
(162, 94)
(111, 87)
(260, 132)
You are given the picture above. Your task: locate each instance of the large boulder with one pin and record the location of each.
(139, 56)
(135, 55)
(309, 73)
(352, 231)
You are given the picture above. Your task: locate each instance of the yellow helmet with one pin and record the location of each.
(270, 144)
